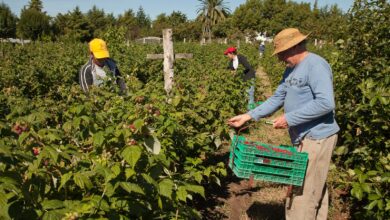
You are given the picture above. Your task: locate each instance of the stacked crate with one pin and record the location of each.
(280, 164)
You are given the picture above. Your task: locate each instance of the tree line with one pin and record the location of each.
(214, 20)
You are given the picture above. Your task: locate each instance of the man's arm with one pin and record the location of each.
(271, 105)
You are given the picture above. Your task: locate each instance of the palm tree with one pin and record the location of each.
(211, 12)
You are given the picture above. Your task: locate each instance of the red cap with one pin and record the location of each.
(230, 50)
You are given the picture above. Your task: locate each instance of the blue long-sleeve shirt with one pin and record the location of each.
(306, 93)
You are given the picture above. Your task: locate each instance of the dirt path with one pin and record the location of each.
(266, 87)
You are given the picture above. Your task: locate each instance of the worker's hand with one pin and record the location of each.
(239, 120)
(280, 122)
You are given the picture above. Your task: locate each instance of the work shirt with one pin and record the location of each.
(92, 74)
(306, 93)
(248, 73)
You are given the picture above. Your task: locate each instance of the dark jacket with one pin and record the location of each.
(249, 72)
(86, 78)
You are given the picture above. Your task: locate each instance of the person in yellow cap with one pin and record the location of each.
(93, 73)
(306, 93)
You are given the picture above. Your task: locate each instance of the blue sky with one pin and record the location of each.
(151, 7)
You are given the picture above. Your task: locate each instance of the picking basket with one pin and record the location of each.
(280, 164)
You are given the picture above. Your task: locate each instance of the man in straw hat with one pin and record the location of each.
(306, 93)
(92, 73)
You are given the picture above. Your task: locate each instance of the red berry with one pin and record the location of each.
(132, 128)
(36, 151)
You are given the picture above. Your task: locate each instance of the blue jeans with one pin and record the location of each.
(251, 92)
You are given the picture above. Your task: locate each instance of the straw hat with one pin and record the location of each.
(287, 38)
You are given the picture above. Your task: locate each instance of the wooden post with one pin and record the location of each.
(168, 60)
(169, 57)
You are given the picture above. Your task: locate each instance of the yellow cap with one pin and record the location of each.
(99, 48)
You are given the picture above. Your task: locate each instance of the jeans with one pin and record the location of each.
(251, 93)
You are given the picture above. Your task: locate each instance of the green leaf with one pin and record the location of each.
(196, 189)
(181, 193)
(52, 204)
(149, 180)
(3, 199)
(65, 178)
(138, 124)
(357, 192)
(373, 196)
(365, 187)
(52, 215)
(131, 187)
(131, 154)
(166, 187)
(372, 205)
(82, 181)
(50, 152)
(116, 169)
(129, 172)
(98, 138)
(23, 137)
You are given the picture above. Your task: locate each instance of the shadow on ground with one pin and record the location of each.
(265, 211)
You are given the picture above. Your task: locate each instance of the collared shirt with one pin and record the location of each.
(98, 74)
(92, 74)
(235, 62)
(306, 93)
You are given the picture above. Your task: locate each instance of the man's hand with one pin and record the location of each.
(239, 120)
(280, 122)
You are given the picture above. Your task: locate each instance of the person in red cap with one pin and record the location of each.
(248, 72)
(93, 73)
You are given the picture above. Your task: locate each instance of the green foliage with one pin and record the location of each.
(33, 24)
(7, 22)
(362, 95)
(98, 21)
(69, 155)
(273, 16)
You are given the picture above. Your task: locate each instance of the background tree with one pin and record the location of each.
(73, 26)
(33, 22)
(98, 21)
(7, 22)
(36, 4)
(211, 12)
(176, 20)
(143, 22)
(129, 22)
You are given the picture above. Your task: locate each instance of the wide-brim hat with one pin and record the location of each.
(287, 39)
(99, 48)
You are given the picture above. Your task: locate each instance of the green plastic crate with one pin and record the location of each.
(264, 160)
(281, 164)
(254, 105)
(267, 150)
(291, 180)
